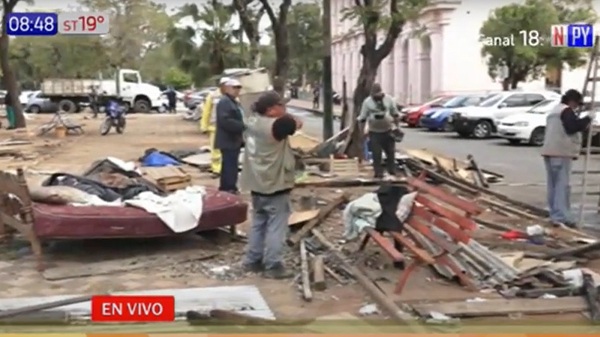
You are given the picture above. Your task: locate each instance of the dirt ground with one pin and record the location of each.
(74, 154)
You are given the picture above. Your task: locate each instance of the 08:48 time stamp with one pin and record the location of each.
(530, 38)
(48, 24)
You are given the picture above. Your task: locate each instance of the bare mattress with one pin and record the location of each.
(220, 209)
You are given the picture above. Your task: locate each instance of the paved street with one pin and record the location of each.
(519, 164)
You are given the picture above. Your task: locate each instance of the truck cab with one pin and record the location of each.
(141, 97)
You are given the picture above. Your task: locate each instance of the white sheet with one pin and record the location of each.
(180, 210)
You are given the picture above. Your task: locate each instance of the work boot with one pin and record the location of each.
(255, 267)
(278, 272)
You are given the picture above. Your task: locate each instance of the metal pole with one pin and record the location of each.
(592, 74)
(327, 80)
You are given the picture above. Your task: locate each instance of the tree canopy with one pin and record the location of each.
(529, 25)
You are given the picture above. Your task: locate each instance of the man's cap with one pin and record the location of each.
(232, 82)
(267, 100)
(224, 80)
(376, 89)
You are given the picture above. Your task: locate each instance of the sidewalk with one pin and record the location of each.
(307, 105)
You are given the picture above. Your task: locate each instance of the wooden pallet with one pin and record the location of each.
(169, 178)
(344, 167)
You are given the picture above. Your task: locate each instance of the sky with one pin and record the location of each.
(172, 5)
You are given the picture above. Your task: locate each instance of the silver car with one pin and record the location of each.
(37, 104)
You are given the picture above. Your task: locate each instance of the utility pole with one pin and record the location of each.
(327, 80)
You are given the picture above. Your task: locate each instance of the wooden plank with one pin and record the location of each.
(319, 273)
(306, 291)
(122, 266)
(502, 307)
(386, 245)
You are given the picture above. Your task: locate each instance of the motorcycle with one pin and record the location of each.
(115, 116)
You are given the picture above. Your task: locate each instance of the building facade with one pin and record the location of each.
(439, 53)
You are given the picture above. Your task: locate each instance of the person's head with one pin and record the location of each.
(233, 87)
(572, 98)
(270, 104)
(377, 92)
(222, 82)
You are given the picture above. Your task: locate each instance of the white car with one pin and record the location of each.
(24, 97)
(528, 126)
(480, 121)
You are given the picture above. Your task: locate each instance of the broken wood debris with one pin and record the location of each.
(318, 272)
(323, 213)
(305, 271)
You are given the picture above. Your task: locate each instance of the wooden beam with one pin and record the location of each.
(319, 273)
(323, 214)
(306, 291)
(503, 307)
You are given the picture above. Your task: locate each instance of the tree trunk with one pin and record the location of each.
(282, 61)
(254, 54)
(506, 84)
(10, 82)
(366, 78)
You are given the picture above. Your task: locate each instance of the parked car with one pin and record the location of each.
(24, 97)
(413, 115)
(528, 126)
(191, 100)
(37, 104)
(437, 119)
(481, 121)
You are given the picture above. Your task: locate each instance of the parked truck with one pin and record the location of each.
(72, 94)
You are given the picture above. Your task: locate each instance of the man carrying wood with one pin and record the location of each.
(379, 113)
(562, 143)
(268, 173)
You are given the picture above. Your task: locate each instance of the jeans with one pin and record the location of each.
(558, 171)
(230, 160)
(383, 142)
(266, 241)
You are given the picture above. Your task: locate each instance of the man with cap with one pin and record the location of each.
(207, 124)
(228, 138)
(379, 113)
(268, 173)
(562, 144)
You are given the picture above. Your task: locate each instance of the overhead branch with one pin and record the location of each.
(270, 13)
(392, 33)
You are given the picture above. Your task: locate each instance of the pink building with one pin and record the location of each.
(440, 53)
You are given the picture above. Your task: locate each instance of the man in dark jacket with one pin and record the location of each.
(228, 137)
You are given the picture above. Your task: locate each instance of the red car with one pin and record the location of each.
(413, 116)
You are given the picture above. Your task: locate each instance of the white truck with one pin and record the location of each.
(72, 94)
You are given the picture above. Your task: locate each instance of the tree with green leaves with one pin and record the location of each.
(213, 26)
(529, 25)
(375, 17)
(136, 27)
(305, 24)
(279, 29)
(250, 13)
(8, 76)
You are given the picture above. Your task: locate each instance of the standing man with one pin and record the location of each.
(381, 117)
(9, 102)
(94, 100)
(207, 124)
(172, 98)
(316, 95)
(562, 144)
(268, 173)
(228, 135)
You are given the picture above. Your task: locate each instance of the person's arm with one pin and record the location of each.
(572, 123)
(284, 127)
(392, 109)
(364, 112)
(227, 117)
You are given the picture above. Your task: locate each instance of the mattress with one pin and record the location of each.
(220, 209)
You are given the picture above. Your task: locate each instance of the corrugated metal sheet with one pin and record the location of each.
(243, 299)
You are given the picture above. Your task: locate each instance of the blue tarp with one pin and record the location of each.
(158, 159)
